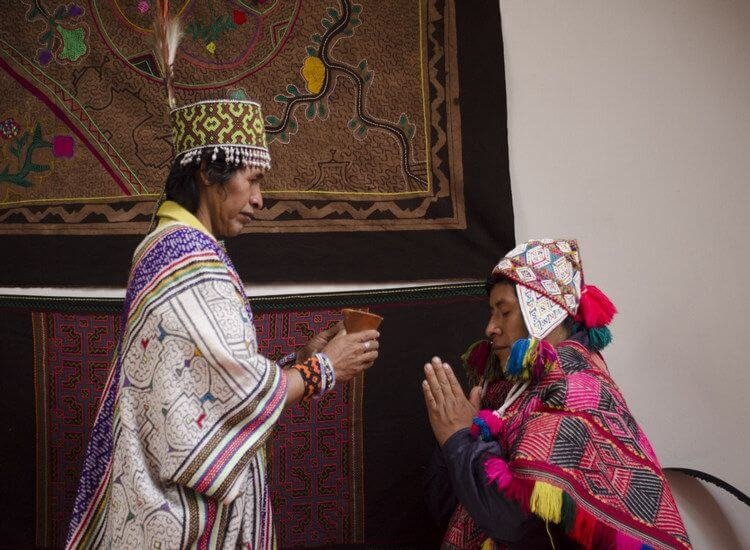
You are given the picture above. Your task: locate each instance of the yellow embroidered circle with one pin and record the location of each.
(314, 73)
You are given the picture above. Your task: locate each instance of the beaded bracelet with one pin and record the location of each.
(311, 376)
(288, 360)
(317, 374)
(327, 372)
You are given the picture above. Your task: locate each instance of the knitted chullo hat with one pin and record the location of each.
(550, 284)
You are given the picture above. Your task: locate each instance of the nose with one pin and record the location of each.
(256, 198)
(491, 329)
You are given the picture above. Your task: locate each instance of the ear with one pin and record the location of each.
(202, 176)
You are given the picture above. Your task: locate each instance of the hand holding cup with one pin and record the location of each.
(355, 348)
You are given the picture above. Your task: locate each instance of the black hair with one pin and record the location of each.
(497, 279)
(183, 182)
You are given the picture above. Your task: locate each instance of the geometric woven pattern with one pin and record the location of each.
(73, 353)
(549, 278)
(579, 435)
(315, 459)
(72, 356)
(613, 481)
(212, 123)
(644, 495)
(570, 441)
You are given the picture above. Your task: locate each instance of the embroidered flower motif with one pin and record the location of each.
(63, 146)
(211, 47)
(314, 73)
(45, 56)
(239, 17)
(74, 10)
(9, 128)
(143, 6)
(238, 94)
(74, 45)
(23, 148)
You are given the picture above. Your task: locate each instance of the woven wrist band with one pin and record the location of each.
(311, 376)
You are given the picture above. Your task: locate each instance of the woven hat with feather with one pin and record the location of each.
(200, 130)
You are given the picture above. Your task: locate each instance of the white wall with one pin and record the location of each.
(629, 128)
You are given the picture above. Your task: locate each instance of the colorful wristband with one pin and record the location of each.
(327, 373)
(311, 376)
(287, 361)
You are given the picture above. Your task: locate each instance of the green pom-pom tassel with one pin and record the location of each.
(599, 338)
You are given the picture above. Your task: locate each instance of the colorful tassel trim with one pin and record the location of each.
(568, 512)
(553, 505)
(529, 358)
(487, 425)
(626, 542)
(595, 312)
(478, 358)
(599, 338)
(498, 472)
(595, 309)
(546, 502)
(583, 529)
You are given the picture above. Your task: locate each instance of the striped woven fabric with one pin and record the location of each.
(577, 458)
(176, 453)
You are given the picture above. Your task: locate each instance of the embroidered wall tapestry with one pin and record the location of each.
(347, 469)
(386, 123)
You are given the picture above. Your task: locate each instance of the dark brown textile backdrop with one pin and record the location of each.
(387, 123)
(345, 470)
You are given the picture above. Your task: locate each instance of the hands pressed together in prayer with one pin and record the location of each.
(447, 407)
(350, 354)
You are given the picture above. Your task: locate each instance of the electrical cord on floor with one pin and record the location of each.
(703, 476)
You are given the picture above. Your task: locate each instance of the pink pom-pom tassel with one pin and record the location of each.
(497, 471)
(626, 542)
(595, 309)
(493, 422)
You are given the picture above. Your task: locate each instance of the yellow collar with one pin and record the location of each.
(170, 212)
